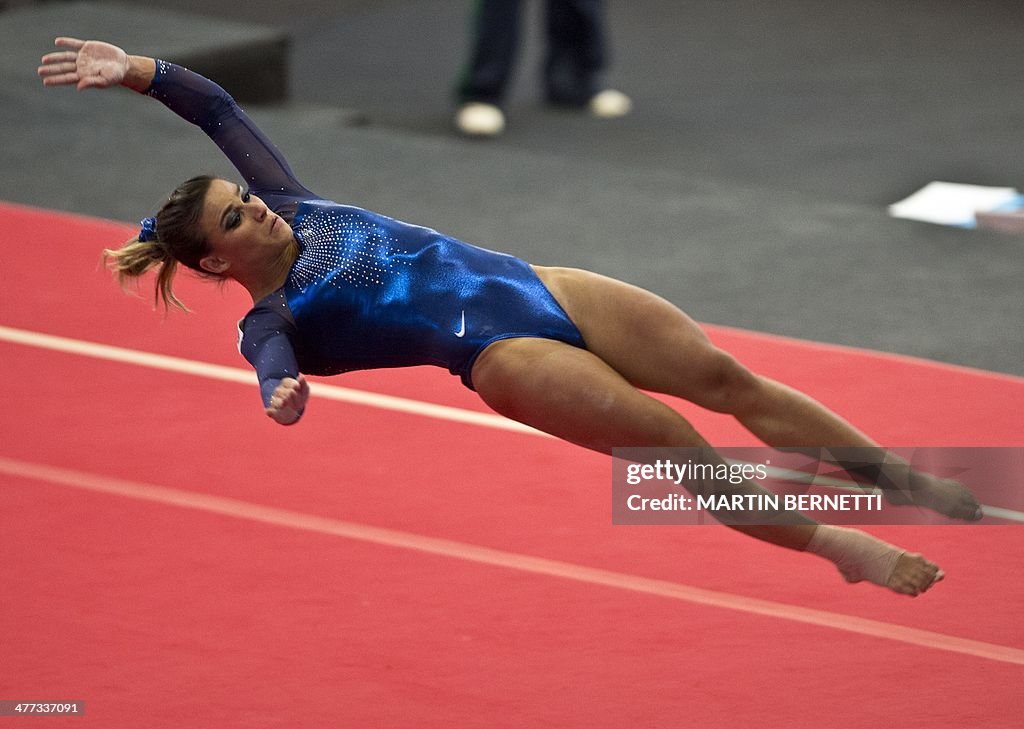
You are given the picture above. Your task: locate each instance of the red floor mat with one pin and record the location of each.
(162, 616)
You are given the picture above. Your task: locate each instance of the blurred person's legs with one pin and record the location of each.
(481, 89)
(493, 52)
(577, 57)
(576, 51)
(572, 72)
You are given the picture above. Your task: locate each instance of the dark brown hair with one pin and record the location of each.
(177, 239)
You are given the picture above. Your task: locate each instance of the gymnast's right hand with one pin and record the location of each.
(289, 400)
(86, 64)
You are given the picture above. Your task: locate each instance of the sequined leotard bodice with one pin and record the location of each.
(366, 291)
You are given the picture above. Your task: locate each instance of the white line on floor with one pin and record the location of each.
(509, 560)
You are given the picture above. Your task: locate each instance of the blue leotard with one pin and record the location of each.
(366, 291)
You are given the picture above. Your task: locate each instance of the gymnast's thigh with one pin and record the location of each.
(572, 394)
(645, 338)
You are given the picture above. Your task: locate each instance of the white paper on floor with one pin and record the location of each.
(953, 203)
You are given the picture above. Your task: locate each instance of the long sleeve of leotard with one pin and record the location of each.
(265, 340)
(205, 104)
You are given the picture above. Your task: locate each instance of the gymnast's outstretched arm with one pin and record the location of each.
(196, 99)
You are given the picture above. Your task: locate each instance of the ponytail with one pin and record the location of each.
(135, 258)
(172, 237)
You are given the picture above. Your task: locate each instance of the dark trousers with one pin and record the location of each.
(575, 51)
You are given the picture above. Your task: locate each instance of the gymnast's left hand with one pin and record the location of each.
(85, 64)
(288, 400)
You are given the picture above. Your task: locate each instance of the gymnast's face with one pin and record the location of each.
(240, 230)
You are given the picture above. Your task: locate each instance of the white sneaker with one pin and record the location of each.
(610, 104)
(476, 119)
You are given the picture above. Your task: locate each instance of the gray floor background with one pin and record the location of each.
(750, 185)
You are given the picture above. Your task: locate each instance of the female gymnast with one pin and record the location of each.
(337, 288)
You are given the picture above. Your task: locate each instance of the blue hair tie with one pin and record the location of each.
(148, 231)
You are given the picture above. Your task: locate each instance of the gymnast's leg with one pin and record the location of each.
(657, 347)
(572, 394)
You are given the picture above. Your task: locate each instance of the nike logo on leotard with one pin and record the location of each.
(462, 326)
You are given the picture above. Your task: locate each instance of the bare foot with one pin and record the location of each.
(942, 495)
(862, 557)
(913, 575)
